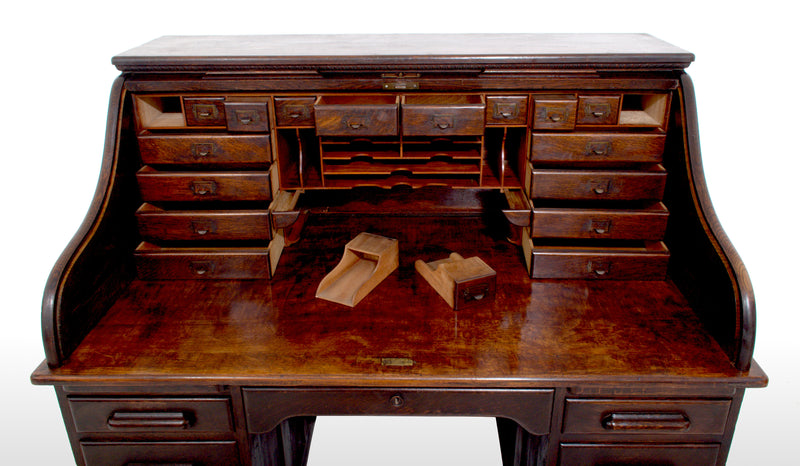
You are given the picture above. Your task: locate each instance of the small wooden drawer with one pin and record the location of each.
(648, 223)
(135, 415)
(594, 454)
(158, 186)
(598, 148)
(155, 263)
(506, 110)
(187, 453)
(554, 112)
(357, 115)
(443, 115)
(204, 111)
(157, 224)
(247, 117)
(266, 407)
(294, 111)
(610, 185)
(597, 110)
(626, 417)
(212, 149)
(635, 261)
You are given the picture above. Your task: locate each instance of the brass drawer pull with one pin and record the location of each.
(599, 267)
(202, 149)
(600, 227)
(204, 227)
(246, 117)
(646, 421)
(202, 267)
(148, 420)
(204, 188)
(356, 124)
(598, 148)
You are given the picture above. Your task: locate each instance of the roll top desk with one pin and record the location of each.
(180, 324)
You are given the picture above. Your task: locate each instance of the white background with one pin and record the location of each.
(56, 76)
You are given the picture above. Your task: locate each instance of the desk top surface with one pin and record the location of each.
(185, 53)
(275, 332)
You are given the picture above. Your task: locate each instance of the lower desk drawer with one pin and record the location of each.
(157, 224)
(642, 261)
(638, 454)
(266, 407)
(167, 415)
(631, 224)
(160, 186)
(625, 417)
(194, 453)
(156, 263)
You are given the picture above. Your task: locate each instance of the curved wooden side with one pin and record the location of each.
(93, 268)
(704, 263)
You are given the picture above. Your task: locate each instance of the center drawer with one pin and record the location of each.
(266, 407)
(134, 415)
(443, 115)
(357, 115)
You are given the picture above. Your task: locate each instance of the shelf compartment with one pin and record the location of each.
(644, 110)
(367, 166)
(357, 115)
(374, 148)
(464, 148)
(159, 111)
(443, 115)
(402, 179)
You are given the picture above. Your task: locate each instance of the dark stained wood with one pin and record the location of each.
(622, 332)
(204, 149)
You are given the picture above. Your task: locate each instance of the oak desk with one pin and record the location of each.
(180, 324)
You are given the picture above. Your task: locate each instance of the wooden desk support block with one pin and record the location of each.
(367, 260)
(461, 282)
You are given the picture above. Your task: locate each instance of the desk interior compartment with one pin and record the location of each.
(159, 111)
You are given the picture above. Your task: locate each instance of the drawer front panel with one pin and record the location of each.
(219, 453)
(600, 223)
(294, 111)
(248, 117)
(599, 263)
(598, 110)
(265, 408)
(624, 417)
(192, 264)
(419, 120)
(356, 120)
(554, 113)
(581, 185)
(204, 149)
(158, 186)
(204, 225)
(506, 110)
(633, 454)
(171, 415)
(204, 111)
(598, 148)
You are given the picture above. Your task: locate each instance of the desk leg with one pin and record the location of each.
(286, 445)
(517, 446)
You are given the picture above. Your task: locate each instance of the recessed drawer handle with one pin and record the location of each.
(246, 117)
(202, 267)
(356, 124)
(202, 149)
(148, 420)
(598, 148)
(600, 227)
(646, 421)
(204, 188)
(204, 227)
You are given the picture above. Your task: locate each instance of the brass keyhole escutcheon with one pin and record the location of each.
(397, 401)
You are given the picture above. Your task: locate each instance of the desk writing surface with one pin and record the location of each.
(275, 332)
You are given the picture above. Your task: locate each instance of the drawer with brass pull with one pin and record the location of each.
(167, 263)
(357, 115)
(156, 224)
(443, 115)
(646, 416)
(132, 415)
(597, 110)
(294, 111)
(597, 148)
(506, 110)
(554, 112)
(167, 186)
(606, 260)
(211, 149)
(609, 185)
(647, 223)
